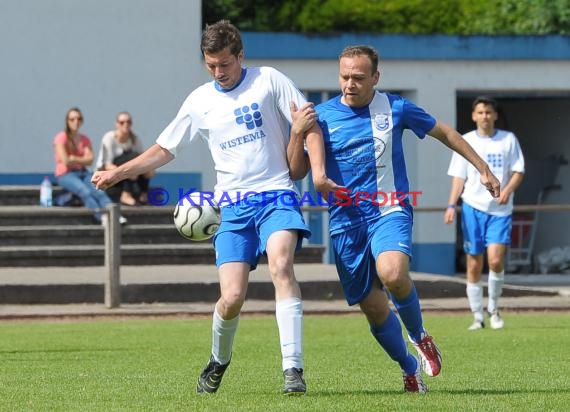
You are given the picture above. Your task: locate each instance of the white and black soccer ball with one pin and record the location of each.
(197, 218)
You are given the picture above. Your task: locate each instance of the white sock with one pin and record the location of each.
(223, 333)
(496, 281)
(475, 297)
(289, 314)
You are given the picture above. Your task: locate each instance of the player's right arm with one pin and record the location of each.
(298, 160)
(152, 158)
(452, 139)
(157, 155)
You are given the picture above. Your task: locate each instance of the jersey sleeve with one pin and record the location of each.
(417, 119)
(517, 164)
(172, 137)
(285, 93)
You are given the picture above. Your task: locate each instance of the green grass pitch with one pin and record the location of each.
(153, 364)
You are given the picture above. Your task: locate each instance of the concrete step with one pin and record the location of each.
(42, 216)
(151, 293)
(23, 195)
(88, 235)
(34, 236)
(152, 284)
(29, 195)
(93, 255)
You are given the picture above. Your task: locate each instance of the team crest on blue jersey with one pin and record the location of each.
(379, 147)
(249, 115)
(381, 121)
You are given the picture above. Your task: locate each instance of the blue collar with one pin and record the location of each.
(221, 89)
(493, 135)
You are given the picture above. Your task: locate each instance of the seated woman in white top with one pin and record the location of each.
(119, 146)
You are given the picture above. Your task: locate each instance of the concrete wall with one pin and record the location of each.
(101, 55)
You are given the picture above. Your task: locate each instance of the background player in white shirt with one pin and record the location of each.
(372, 239)
(486, 221)
(245, 114)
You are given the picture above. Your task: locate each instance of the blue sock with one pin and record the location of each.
(389, 336)
(411, 314)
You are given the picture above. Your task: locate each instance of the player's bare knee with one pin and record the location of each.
(496, 263)
(394, 278)
(232, 301)
(285, 282)
(281, 268)
(283, 279)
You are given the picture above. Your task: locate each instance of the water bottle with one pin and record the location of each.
(46, 192)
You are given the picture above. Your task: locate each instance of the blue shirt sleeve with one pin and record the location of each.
(417, 119)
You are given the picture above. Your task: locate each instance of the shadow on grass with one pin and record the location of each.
(502, 391)
(371, 392)
(66, 350)
(470, 392)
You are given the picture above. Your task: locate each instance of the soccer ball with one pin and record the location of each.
(196, 217)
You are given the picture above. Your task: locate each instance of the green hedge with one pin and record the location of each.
(452, 17)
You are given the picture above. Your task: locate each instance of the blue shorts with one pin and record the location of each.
(356, 251)
(481, 229)
(247, 224)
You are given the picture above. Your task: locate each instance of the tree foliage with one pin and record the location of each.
(453, 17)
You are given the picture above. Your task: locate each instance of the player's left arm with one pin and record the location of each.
(452, 139)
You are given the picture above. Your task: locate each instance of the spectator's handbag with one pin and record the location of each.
(125, 157)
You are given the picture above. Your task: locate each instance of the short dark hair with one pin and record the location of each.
(487, 101)
(351, 51)
(216, 37)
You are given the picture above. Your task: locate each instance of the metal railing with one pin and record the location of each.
(431, 209)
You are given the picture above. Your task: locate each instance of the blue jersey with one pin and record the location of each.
(364, 153)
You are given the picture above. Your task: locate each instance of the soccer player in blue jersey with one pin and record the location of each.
(245, 116)
(486, 222)
(372, 238)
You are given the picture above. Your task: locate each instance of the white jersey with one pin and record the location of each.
(247, 129)
(503, 154)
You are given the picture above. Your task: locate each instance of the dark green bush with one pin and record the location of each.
(453, 17)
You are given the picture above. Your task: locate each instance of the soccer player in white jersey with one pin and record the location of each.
(245, 115)
(372, 238)
(486, 222)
